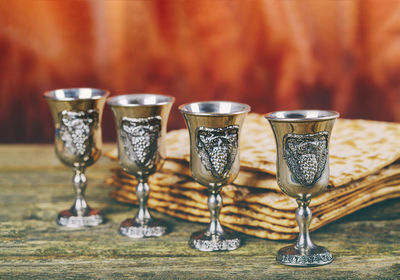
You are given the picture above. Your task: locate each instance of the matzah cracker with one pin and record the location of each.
(261, 233)
(283, 202)
(228, 218)
(243, 210)
(183, 215)
(358, 203)
(258, 180)
(345, 199)
(272, 211)
(154, 203)
(238, 220)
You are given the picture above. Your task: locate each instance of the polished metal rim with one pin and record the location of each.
(140, 99)
(301, 115)
(214, 108)
(71, 94)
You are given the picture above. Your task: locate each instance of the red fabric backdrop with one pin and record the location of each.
(341, 55)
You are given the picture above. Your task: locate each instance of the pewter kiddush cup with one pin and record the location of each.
(77, 116)
(141, 122)
(214, 129)
(302, 140)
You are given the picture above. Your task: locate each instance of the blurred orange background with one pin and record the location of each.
(273, 55)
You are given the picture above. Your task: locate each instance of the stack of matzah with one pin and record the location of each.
(363, 170)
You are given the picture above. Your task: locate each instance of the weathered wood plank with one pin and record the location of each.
(34, 187)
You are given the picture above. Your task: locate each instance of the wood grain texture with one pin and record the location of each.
(34, 187)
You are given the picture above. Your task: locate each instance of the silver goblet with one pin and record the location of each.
(302, 139)
(77, 116)
(214, 129)
(141, 121)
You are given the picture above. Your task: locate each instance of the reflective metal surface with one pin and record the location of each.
(77, 116)
(214, 129)
(141, 121)
(302, 139)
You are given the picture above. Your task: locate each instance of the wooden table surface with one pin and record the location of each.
(35, 186)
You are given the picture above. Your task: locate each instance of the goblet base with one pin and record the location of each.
(91, 218)
(314, 256)
(207, 242)
(151, 228)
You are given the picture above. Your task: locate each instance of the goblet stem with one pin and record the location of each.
(80, 214)
(303, 218)
(304, 252)
(215, 238)
(143, 225)
(214, 206)
(79, 181)
(142, 194)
